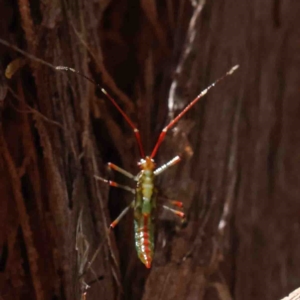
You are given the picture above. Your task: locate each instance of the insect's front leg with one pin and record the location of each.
(175, 160)
(122, 171)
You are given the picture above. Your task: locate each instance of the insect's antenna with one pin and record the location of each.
(187, 108)
(134, 128)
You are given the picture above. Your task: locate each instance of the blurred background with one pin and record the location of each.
(239, 178)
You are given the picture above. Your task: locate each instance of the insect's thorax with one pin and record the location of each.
(145, 198)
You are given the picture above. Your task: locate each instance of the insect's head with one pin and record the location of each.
(146, 163)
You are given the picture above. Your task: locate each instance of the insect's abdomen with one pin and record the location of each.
(144, 239)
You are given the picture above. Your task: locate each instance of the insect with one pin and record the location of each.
(145, 192)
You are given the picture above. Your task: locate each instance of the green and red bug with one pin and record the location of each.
(145, 193)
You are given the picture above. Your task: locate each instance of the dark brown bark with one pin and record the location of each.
(240, 188)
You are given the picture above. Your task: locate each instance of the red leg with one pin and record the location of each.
(187, 108)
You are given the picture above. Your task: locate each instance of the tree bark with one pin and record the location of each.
(240, 187)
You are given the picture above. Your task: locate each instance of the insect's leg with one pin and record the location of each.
(171, 201)
(122, 171)
(187, 108)
(115, 184)
(121, 215)
(174, 211)
(176, 203)
(165, 166)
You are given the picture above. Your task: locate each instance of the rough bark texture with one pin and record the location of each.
(240, 187)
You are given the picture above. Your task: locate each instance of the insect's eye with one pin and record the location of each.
(141, 163)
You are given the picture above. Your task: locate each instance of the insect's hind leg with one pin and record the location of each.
(121, 215)
(115, 184)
